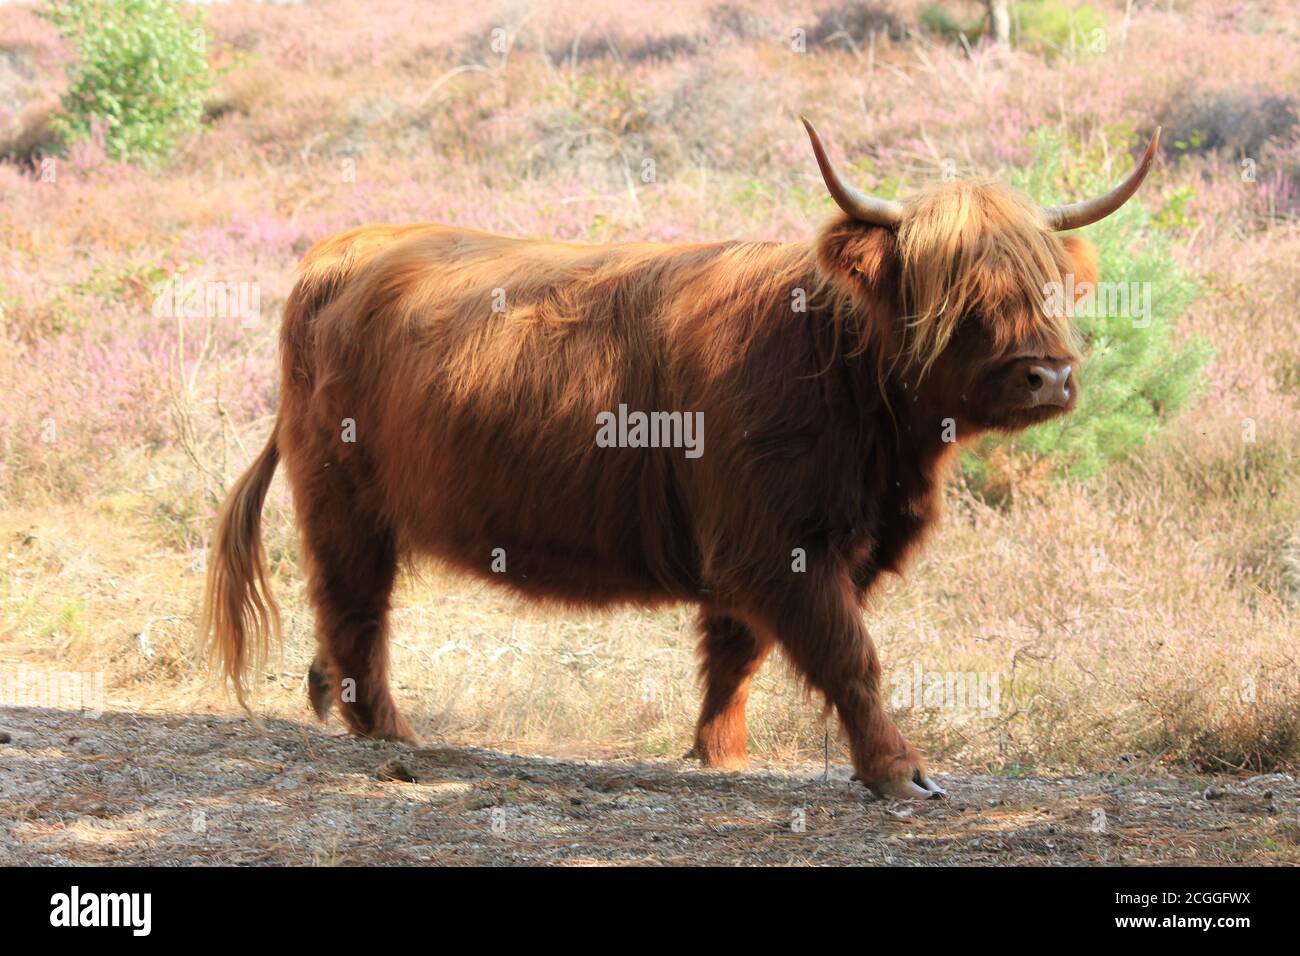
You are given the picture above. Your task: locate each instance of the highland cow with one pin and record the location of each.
(442, 391)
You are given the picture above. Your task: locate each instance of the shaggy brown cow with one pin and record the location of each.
(444, 392)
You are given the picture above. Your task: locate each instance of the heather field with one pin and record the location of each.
(1110, 619)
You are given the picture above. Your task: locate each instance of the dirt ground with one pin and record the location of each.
(132, 788)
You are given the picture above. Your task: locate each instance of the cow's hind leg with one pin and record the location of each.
(730, 655)
(352, 566)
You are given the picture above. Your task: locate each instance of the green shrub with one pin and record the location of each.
(140, 76)
(938, 20)
(1135, 376)
(1050, 27)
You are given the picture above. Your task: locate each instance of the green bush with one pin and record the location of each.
(1050, 27)
(140, 76)
(938, 20)
(1135, 376)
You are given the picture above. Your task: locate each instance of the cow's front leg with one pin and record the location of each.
(820, 627)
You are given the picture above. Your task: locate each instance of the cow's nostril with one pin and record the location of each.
(1047, 385)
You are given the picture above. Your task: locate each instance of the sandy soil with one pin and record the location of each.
(208, 789)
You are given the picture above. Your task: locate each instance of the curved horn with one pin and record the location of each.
(1084, 213)
(879, 212)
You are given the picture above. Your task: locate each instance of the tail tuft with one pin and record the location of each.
(240, 617)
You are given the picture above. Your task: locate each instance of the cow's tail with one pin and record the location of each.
(240, 618)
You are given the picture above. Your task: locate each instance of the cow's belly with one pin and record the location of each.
(546, 520)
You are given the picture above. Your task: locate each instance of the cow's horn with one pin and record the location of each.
(1079, 214)
(879, 212)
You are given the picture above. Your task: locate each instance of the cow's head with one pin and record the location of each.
(962, 291)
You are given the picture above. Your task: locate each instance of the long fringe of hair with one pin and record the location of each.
(976, 245)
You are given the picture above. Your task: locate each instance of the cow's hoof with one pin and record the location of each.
(319, 692)
(400, 732)
(714, 760)
(920, 787)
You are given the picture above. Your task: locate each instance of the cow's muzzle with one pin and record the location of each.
(1048, 383)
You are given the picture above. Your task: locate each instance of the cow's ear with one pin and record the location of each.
(1083, 258)
(861, 260)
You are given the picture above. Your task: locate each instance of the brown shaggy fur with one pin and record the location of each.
(826, 434)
